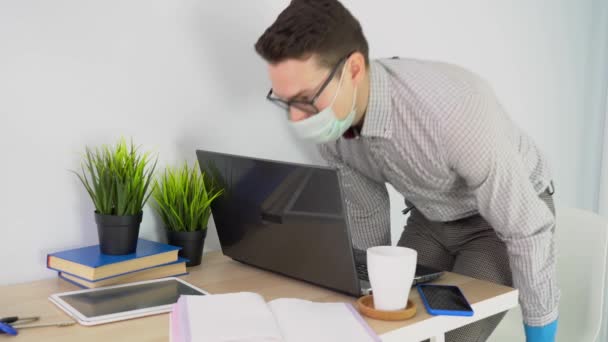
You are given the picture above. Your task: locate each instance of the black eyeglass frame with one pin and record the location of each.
(308, 106)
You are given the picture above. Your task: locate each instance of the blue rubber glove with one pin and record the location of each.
(546, 333)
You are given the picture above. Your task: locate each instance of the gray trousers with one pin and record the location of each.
(467, 246)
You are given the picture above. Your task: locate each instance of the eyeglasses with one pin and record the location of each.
(307, 106)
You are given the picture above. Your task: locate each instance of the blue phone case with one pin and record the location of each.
(437, 312)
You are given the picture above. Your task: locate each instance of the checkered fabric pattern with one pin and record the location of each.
(438, 134)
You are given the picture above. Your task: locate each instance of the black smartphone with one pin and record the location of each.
(444, 300)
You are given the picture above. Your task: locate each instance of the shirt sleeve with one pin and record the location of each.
(367, 203)
(488, 160)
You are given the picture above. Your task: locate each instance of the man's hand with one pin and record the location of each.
(546, 333)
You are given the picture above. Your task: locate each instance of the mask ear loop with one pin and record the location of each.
(339, 85)
(354, 100)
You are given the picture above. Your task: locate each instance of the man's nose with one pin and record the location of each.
(297, 115)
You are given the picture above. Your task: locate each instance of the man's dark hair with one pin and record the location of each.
(324, 28)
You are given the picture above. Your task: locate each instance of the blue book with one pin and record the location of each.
(90, 264)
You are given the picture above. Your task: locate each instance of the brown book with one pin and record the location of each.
(169, 270)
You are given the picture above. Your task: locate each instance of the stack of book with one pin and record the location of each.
(87, 267)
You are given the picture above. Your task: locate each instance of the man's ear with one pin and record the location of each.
(357, 67)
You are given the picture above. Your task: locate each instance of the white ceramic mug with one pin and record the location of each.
(391, 272)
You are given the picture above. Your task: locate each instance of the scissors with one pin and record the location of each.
(9, 325)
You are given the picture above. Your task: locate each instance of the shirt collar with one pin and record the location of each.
(377, 117)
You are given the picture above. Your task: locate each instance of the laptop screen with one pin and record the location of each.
(284, 217)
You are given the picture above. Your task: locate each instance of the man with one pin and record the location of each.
(478, 188)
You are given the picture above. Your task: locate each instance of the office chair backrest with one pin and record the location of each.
(582, 244)
(582, 249)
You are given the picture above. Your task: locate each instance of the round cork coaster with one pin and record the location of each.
(365, 305)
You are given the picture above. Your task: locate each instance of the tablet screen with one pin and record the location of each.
(128, 298)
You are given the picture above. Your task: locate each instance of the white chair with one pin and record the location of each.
(582, 244)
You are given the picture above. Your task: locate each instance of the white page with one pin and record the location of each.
(234, 317)
(304, 321)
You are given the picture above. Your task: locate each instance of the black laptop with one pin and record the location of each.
(289, 219)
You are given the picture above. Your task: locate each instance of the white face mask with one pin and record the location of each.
(325, 126)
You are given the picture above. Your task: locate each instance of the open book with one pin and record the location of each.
(246, 317)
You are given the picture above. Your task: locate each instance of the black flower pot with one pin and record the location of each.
(191, 243)
(118, 234)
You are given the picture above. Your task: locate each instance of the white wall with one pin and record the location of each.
(179, 75)
(598, 103)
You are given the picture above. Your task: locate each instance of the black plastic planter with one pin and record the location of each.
(191, 243)
(118, 234)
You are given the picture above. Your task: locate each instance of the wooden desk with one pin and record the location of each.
(219, 274)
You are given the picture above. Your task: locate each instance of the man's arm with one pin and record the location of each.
(478, 149)
(367, 203)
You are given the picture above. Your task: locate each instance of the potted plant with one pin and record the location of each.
(182, 199)
(118, 180)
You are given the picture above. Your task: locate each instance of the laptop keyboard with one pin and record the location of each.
(423, 273)
(362, 271)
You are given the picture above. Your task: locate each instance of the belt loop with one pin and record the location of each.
(551, 188)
